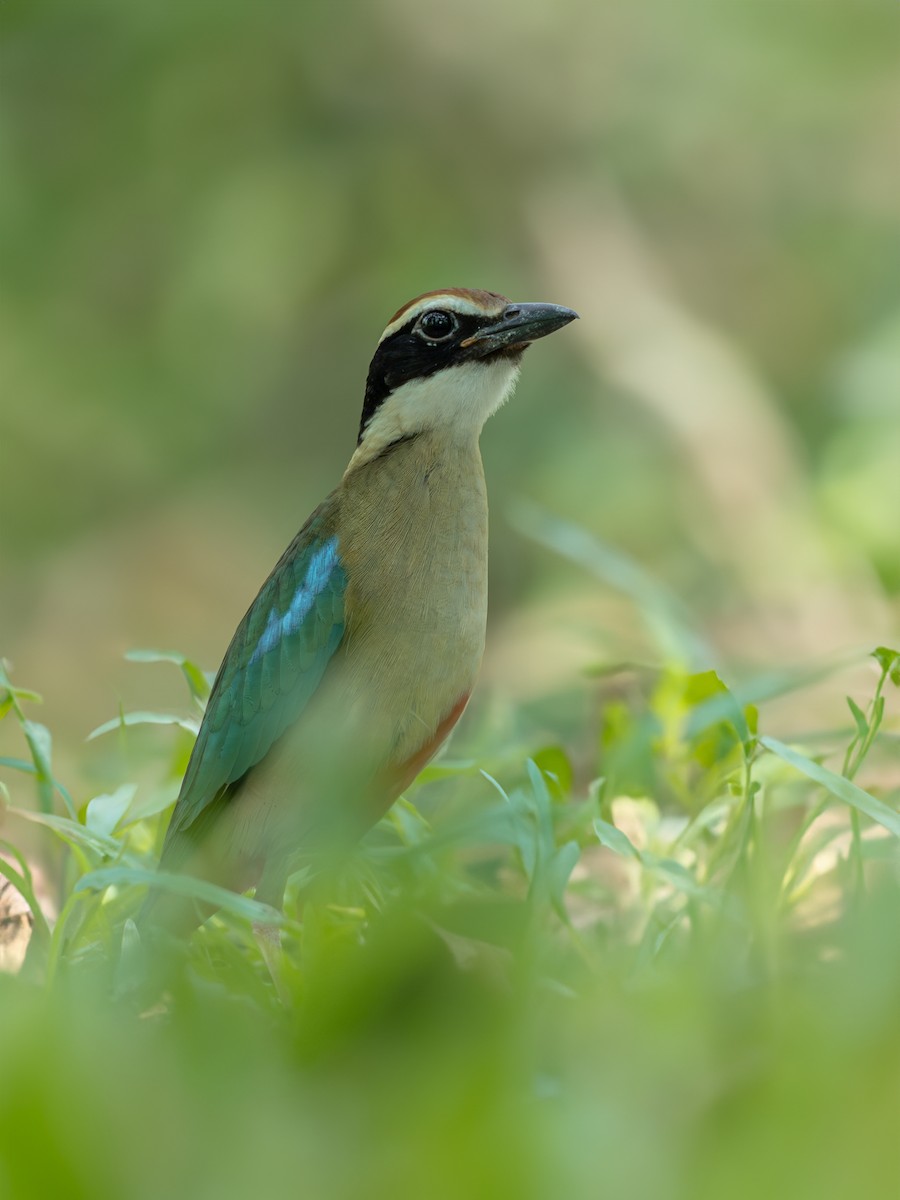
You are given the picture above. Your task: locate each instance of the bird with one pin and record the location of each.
(361, 649)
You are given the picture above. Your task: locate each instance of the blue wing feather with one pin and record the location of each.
(271, 669)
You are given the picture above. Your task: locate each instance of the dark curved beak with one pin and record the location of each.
(518, 325)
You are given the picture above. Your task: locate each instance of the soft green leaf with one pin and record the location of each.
(154, 656)
(411, 826)
(445, 768)
(888, 660)
(19, 764)
(538, 784)
(545, 840)
(23, 882)
(40, 744)
(181, 885)
(680, 877)
(840, 787)
(862, 725)
(494, 784)
(559, 870)
(768, 685)
(554, 764)
(154, 801)
(104, 813)
(71, 831)
(500, 825)
(751, 716)
(12, 697)
(15, 694)
(144, 718)
(711, 704)
(614, 839)
(196, 678)
(23, 764)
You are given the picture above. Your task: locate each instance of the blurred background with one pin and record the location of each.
(210, 210)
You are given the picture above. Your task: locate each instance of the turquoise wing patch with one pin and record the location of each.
(271, 669)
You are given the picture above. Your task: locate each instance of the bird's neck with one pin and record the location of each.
(421, 488)
(393, 445)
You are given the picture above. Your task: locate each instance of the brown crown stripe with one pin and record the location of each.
(482, 299)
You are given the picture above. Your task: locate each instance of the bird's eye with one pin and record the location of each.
(437, 325)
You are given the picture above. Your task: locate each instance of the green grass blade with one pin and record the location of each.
(841, 788)
(144, 718)
(182, 885)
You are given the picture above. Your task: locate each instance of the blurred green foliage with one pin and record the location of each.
(653, 953)
(211, 209)
(522, 989)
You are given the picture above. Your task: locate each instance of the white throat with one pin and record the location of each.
(455, 401)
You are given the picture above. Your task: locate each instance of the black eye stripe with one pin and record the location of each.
(409, 354)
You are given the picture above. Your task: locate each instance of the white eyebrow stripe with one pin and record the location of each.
(458, 304)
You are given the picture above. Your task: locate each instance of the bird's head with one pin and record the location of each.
(446, 361)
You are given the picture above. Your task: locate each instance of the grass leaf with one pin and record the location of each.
(837, 785)
(195, 677)
(182, 885)
(144, 718)
(614, 839)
